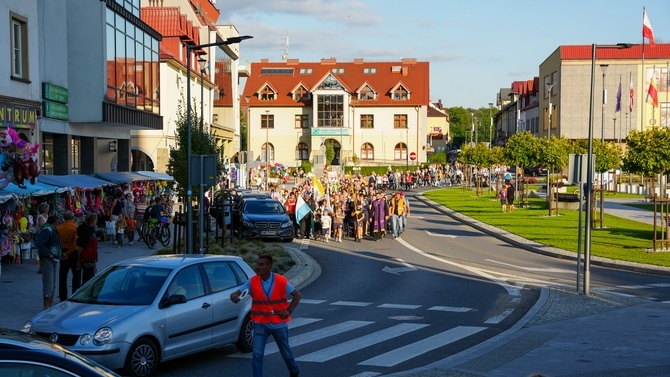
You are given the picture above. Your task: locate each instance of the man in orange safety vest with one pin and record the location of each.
(270, 312)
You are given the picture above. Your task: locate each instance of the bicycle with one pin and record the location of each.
(156, 231)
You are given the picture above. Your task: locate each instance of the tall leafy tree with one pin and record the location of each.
(648, 152)
(202, 143)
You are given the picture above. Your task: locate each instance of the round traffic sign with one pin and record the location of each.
(412, 156)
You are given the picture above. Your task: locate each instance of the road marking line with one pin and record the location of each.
(398, 306)
(310, 301)
(410, 351)
(451, 309)
(534, 269)
(634, 286)
(312, 336)
(499, 318)
(439, 235)
(354, 345)
(301, 321)
(351, 303)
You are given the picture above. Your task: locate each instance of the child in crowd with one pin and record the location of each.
(120, 229)
(326, 222)
(131, 224)
(318, 234)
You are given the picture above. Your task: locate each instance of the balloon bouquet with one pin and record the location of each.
(18, 159)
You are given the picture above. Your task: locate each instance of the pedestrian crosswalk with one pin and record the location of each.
(322, 344)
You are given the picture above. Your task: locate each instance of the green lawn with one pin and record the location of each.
(620, 239)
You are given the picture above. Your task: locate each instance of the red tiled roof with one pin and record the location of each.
(413, 75)
(583, 52)
(170, 22)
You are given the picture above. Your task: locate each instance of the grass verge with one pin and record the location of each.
(619, 239)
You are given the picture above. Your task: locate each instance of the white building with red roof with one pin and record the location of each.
(372, 112)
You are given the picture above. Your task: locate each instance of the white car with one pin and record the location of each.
(143, 311)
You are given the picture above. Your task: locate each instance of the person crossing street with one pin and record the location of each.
(270, 312)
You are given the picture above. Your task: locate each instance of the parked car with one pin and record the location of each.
(264, 218)
(143, 311)
(535, 171)
(24, 354)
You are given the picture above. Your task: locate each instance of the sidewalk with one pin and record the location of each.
(21, 289)
(568, 334)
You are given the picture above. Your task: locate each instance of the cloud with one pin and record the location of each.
(348, 12)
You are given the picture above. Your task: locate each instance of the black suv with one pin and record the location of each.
(263, 218)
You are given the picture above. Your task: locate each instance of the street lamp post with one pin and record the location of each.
(491, 125)
(603, 67)
(189, 184)
(472, 129)
(201, 209)
(589, 167)
(549, 88)
(267, 149)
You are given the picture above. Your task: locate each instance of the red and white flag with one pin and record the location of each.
(652, 94)
(647, 31)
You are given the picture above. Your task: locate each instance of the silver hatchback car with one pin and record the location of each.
(143, 311)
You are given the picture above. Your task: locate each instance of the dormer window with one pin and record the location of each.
(400, 93)
(331, 83)
(301, 94)
(267, 94)
(366, 94)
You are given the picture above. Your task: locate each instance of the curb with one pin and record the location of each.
(303, 269)
(537, 248)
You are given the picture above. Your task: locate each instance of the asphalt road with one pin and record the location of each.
(443, 287)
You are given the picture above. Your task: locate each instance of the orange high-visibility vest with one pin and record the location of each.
(264, 310)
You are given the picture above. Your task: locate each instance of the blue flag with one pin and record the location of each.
(301, 209)
(618, 99)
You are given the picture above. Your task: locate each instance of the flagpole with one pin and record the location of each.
(620, 112)
(644, 73)
(667, 90)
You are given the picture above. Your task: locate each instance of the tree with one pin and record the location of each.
(243, 130)
(201, 144)
(521, 150)
(330, 152)
(648, 153)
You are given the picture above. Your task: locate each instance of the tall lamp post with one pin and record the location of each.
(491, 125)
(189, 184)
(589, 166)
(267, 149)
(549, 88)
(202, 63)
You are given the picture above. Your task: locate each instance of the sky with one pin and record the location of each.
(474, 47)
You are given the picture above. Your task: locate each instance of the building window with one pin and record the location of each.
(301, 94)
(267, 121)
(367, 121)
(366, 94)
(19, 47)
(305, 71)
(271, 150)
(400, 121)
(331, 83)
(400, 152)
(400, 94)
(369, 71)
(367, 152)
(301, 152)
(338, 70)
(301, 121)
(267, 94)
(330, 110)
(133, 73)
